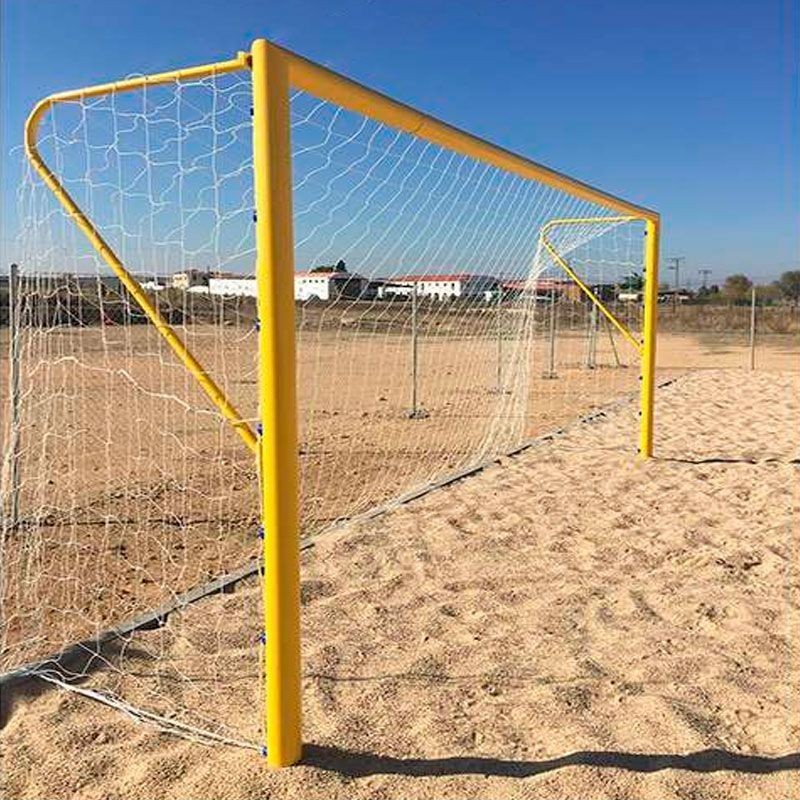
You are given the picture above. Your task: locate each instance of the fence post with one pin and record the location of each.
(15, 395)
(277, 447)
(415, 412)
(551, 356)
(752, 328)
(498, 319)
(591, 343)
(414, 351)
(617, 360)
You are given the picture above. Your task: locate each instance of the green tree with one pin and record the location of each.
(737, 288)
(339, 266)
(633, 282)
(789, 285)
(768, 292)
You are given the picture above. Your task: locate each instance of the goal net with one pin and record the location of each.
(442, 321)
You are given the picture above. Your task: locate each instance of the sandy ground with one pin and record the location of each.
(137, 491)
(567, 623)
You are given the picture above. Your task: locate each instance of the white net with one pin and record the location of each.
(132, 488)
(435, 331)
(442, 311)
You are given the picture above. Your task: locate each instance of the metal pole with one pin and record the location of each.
(14, 376)
(499, 334)
(551, 360)
(614, 350)
(753, 328)
(591, 342)
(278, 464)
(415, 412)
(414, 353)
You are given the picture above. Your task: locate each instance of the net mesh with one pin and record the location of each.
(434, 328)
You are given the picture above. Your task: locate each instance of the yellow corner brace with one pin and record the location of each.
(575, 277)
(212, 390)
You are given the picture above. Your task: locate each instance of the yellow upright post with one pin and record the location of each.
(278, 447)
(650, 324)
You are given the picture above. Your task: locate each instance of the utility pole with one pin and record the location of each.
(705, 273)
(675, 266)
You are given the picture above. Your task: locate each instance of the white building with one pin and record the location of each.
(189, 279)
(307, 286)
(152, 285)
(233, 287)
(630, 297)
(328, 285)
(445, 287)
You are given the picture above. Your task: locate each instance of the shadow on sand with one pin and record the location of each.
(358, 765)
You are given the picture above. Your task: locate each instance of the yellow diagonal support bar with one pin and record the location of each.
(562, 262)
(212, 390)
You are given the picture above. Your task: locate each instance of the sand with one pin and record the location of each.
(567, 623)
(141, 492)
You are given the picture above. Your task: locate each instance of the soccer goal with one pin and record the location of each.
(255, 301)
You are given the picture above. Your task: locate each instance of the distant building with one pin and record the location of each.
(329, 285)
(152, 285)
(541, 288)
(442, 287)
(190, 278)
(630, 296)
(323, 286)
(233, 287)
(674, 296)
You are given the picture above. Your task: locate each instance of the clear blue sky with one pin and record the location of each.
(689, 107)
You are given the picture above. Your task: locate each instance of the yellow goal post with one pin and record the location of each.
(275, 72)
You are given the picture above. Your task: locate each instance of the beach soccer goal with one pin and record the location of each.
(257, 300)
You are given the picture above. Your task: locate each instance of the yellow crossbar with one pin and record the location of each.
(335, 88)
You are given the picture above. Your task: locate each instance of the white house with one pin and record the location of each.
(307, 285)
(232, 287)
(328, 285)
(152, 285)
(446, 287)
(189, 279)
(630, 296)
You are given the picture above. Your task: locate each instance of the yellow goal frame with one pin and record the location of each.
(274, 70)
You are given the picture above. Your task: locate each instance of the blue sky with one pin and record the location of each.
(687, 107)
